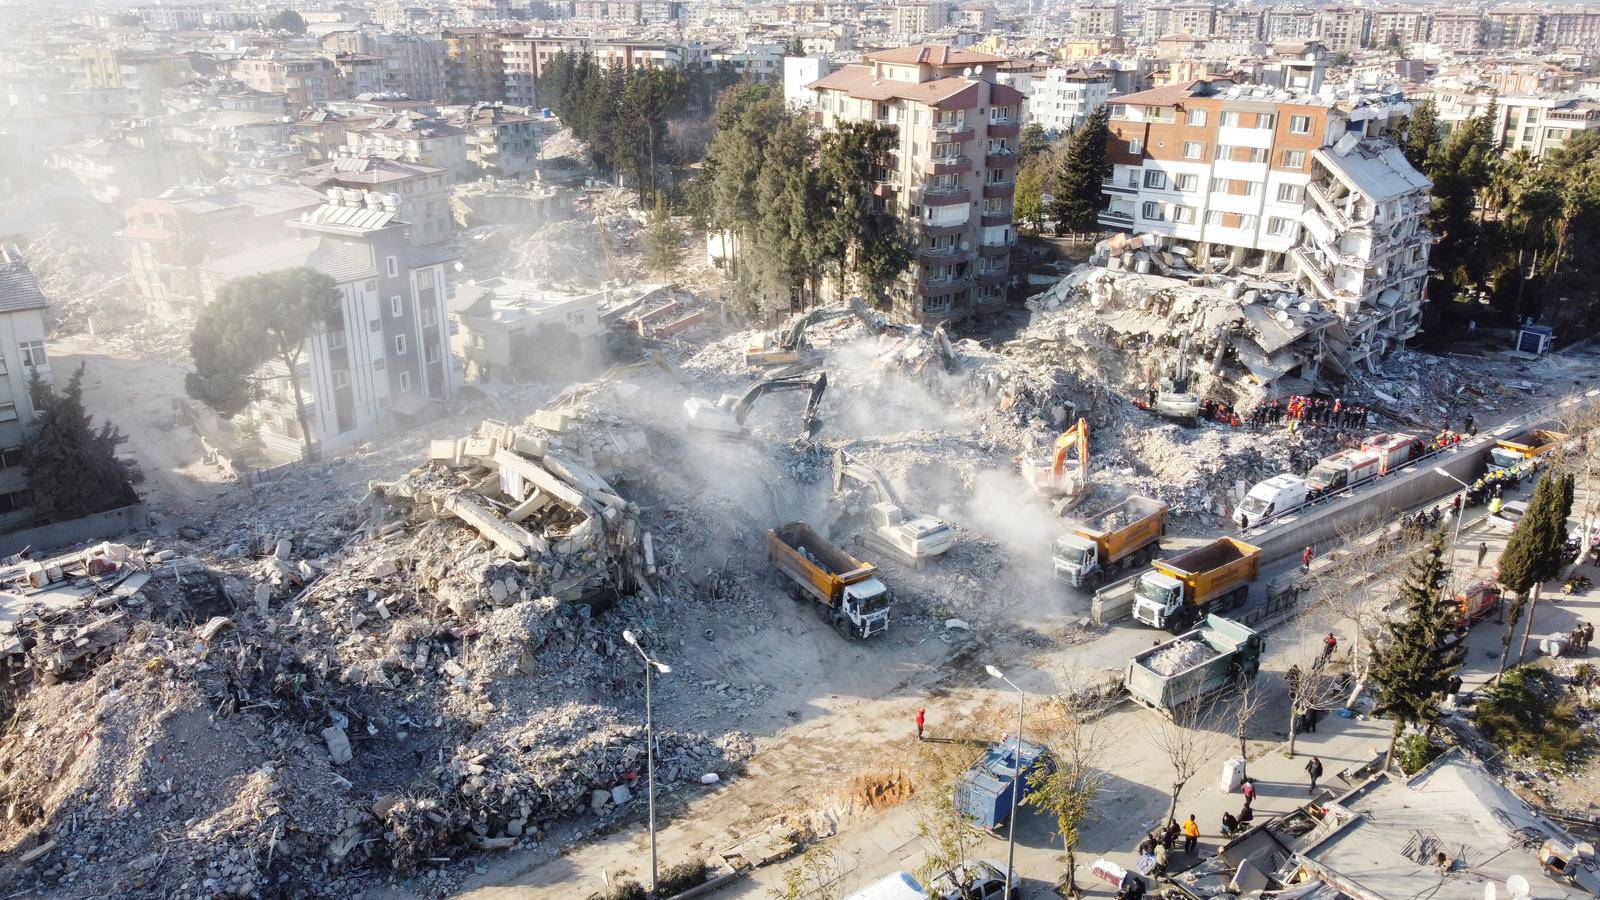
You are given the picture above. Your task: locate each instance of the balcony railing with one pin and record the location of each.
(1116, 218)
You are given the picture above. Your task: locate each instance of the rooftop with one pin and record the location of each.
(934, 55)
(858, 81)
(318, 253)
(507, 301)
(1376, 168)
(19, 290)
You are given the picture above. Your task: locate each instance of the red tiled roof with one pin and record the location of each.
(1166, 95)
(934, 55)
(857, 81)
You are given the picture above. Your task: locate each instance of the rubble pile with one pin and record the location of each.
(432, 672)
(84, 273)
(1177, 656)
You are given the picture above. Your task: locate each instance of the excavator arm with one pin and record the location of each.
(795, 337)
(1074, 438)
(816, 384)
(846, 467)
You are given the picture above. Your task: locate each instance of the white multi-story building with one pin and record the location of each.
(799, 72)
(1061, 98)
(1096, 19)
(1230, 171)
(22, 355)
(384, 358)
(921, 18)
(1537, 123)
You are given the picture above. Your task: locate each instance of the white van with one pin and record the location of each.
(1275, 496)
(899, 886)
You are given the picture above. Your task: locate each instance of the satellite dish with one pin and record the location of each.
(1518, 886)
(977, 70)
(967, 72)
(963, 246)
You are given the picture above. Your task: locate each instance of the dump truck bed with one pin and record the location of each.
(821, 552)
(1214, 569)
(1194, 664)
(1125, 527)
(1534, 441)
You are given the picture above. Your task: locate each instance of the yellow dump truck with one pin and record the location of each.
(847, 592)
(1108, 541)
(1181, 590)
(1515, 449)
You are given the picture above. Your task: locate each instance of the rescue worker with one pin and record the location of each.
(1191, 835)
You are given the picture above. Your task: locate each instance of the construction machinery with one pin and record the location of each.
(787, 345)
(1058, 476)
(1513, 450)
(1174, 399)
(1214, 578)
(911, 541)
(1218, 655)
(726, 416)
(1109, 541)
(846, 591)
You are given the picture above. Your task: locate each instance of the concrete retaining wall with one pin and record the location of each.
(1376, 503)
(99, 526)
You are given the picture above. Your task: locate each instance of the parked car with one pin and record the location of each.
(976, 880)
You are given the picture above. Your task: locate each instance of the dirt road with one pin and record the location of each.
(136, 394)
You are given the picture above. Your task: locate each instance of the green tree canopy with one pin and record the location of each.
(73, 470)
(1412, 669)
(288, 20)
(252, 321)
(1081, 171)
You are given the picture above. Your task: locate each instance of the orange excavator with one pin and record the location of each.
(1058, 476)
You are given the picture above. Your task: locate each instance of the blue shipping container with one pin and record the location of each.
(984, 795)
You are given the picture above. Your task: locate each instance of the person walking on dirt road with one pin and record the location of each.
(1483, 550)
(922, 718)
(1191, 835)
(1314, 769)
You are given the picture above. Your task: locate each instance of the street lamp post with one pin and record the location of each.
(1461, 513)
(649, 746)
(1016, 758)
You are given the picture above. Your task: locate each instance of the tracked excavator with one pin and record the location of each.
(910, 541)
(1173, 398)
(725, 417)
(1058, 476)
(787, 346)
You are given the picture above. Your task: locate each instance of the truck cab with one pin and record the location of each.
(1076, 558)
(1275, 496)
(866, 605)
(1157, 599)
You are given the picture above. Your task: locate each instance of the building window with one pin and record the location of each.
(1252, 188)
(1135, 146)
(994, 206)
(1155, 179)
(1187, 182)
(375, 325)
(1119, 111)
(1193, 149)
(33, 354)
(1219, 185)
(405, 382)
(10, 457)
(1299, 124)
(8, 412)
(1248, 223)
(399, 345)
(336, 340)
(1258, 155)
(1290, 193)
(1183, 215)
(1223, 152)
(1230, 119)
(1151, 210)
(341, 378)
(430, 317)
(396, 306)
(1214, 217)
(430, 352)
(1279, 226)
(16, 501)
(392, 266)
(1266, 120)
(1197, 117)
(1294, 159)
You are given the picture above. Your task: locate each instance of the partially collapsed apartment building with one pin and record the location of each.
(953, 174)
(1288, 184)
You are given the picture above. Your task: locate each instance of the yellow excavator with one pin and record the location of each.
(1058, 476)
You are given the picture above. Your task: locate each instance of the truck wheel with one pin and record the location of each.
(842, 625)
(823, 612)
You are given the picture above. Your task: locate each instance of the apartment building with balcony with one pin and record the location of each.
(303, 78)
(953, 174)
(1406, 25)
(1456, 30)
(1537, 123)
(1060, 98)
(1283, 182)
(22, 355)
(1285, 23)
(1342, 29)
(1096, 19)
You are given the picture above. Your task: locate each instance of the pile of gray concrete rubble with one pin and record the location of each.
(448, 679)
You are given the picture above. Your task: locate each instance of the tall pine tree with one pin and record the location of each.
(1412, 670)
(1532, 555)
(72, 466)
(1083, 171)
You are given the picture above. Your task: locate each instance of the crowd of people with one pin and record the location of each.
(1298, 410)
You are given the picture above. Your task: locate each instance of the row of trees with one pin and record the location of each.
(620, 113)
(797, 208)
(1514, 232)
(1069, 173)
